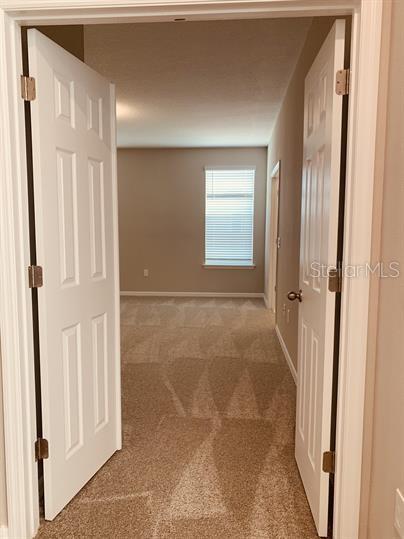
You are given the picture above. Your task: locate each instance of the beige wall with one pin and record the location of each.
(69, 37)
(161, 220)
(384, 440)
(286, 145)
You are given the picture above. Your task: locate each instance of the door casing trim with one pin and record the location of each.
(270, 249)
(15, 299)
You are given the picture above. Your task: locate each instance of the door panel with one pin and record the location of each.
(318, 249)
(73, 128)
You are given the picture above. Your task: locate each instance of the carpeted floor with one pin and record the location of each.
(208, 415)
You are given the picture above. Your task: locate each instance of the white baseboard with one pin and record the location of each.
(3, 532)
(194, 294)
(286, 354)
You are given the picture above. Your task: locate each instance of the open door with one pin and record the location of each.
(74, 166)
(318, 249)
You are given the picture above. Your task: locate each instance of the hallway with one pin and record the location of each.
(208, 421)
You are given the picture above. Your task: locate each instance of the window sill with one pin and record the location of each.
(229, 266)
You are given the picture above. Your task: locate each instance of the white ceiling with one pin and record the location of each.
(197, 84)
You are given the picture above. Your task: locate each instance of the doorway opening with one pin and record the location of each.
(234, 372)
(273, 238)
(62, 100)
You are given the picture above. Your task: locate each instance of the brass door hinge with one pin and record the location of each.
(41, 449)
(334, 280)
(35, 276)
(342, 82)
(329, 462)
(28, 89)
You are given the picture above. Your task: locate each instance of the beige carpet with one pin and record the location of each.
(208, 415)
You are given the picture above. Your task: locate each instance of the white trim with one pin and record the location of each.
(233, 267)
(286, 354)
(276, 169)
(362, 127)
(15, 300)
(109, 11)
(15, 296)
(212, 168)
(272, 233)
(3, 532)
(266, 301)
(117, 320)
(194, 294)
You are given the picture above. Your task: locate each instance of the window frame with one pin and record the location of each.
(236, 266)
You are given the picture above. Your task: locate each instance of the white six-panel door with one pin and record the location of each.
(319, 234)
(74, 153)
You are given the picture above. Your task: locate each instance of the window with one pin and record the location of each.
(229, 216)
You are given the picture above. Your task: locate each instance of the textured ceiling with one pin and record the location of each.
(196, 84)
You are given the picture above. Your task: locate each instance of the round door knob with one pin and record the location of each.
(295, 295)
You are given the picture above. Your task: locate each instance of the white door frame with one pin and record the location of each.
(272, 215)
(15, 297)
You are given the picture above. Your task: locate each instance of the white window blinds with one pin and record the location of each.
(229, 216)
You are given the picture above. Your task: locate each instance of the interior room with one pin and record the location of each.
(205, 113)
